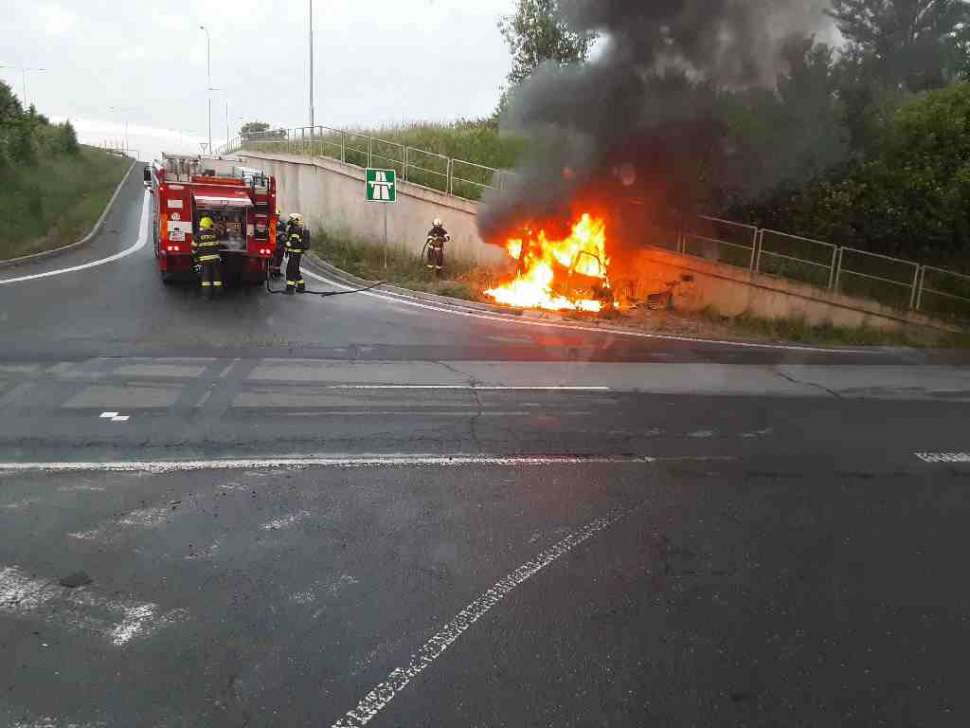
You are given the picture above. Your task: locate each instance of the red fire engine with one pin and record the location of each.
(240, 201)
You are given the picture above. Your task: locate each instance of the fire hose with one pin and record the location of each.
(327, 294)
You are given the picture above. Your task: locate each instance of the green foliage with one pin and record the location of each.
(910, 198)
(536, 33)
(909, 42)
(57, 200)
(252, 128)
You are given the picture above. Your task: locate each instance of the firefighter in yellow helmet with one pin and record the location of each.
(205, 249)
(297, 243)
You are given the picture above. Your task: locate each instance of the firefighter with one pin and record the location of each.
(277, 260)
(437, 237)
(297, 243)
(208, 262)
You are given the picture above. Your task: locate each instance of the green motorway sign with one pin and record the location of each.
(381, 185)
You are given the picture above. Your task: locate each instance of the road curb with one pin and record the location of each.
(454, 303)
(34, 257)
(461, 306)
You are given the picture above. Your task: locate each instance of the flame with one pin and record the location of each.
(558, 275)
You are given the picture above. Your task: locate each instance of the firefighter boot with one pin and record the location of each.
(301, 286)
(290, 288)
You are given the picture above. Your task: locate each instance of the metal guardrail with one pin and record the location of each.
(892, 281)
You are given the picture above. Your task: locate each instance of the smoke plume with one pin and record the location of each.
(643, 119)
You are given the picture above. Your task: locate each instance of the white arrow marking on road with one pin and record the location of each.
(142, 239)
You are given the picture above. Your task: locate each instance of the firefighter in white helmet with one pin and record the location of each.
(437, 237)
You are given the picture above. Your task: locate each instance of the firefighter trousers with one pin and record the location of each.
(276, 261)
(211, 275)
(294, 278)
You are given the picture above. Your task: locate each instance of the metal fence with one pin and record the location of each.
(457, 177)
(892, 281)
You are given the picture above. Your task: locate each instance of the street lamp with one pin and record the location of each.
(208, 65)
(311, 69)
(24, 71)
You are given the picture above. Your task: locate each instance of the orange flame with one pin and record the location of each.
(559, 275)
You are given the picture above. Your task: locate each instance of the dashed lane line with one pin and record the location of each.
(378, 698)
(139, 244)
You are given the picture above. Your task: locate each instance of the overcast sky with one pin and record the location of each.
(377, 61)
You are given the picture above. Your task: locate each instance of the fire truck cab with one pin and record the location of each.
(241, 202)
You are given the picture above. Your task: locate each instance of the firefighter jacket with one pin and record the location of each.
(438, 236)
(297, 239)
(205, 246)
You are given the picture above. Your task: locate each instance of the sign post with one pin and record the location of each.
(381, 187)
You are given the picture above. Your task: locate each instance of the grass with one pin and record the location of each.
(797, 331)
(57, 201)
(406, 270)
(478, 144)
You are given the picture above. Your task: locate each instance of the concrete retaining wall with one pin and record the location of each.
(330, 195)
(698, 285)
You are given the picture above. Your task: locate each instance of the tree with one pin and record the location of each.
(253, 128)
(536, 33)
(910, 43)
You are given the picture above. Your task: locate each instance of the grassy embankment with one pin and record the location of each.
(57, 201)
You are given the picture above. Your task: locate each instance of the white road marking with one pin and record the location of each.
(378, 698)
(142, 518)
(285, 521)
(944, 457)
(48, 721)
(466, 388)
(121, 418)
(21, 503)
(592, 329)
(139, 244)
(338, 461)
(118, 620)
(108, 415)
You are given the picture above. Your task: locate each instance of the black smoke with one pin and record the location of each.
(646, 118)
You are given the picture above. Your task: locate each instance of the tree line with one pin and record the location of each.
(26, 135)
(865, 144)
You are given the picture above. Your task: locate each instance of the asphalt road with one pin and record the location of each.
(271, 511)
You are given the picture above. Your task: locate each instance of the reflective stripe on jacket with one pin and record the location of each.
(297, 240)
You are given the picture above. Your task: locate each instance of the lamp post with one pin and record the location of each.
(208, 66)
(24, 70)
(311, 69)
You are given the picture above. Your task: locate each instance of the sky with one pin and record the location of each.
(109, 63)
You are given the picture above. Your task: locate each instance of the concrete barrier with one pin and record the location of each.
(330, 194)
(698, 285)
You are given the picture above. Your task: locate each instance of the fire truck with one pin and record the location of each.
(241, 202)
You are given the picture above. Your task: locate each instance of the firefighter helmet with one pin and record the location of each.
(296, 218)
(206, 223)
(437, 222)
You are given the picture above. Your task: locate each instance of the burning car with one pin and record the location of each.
(571, 274)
